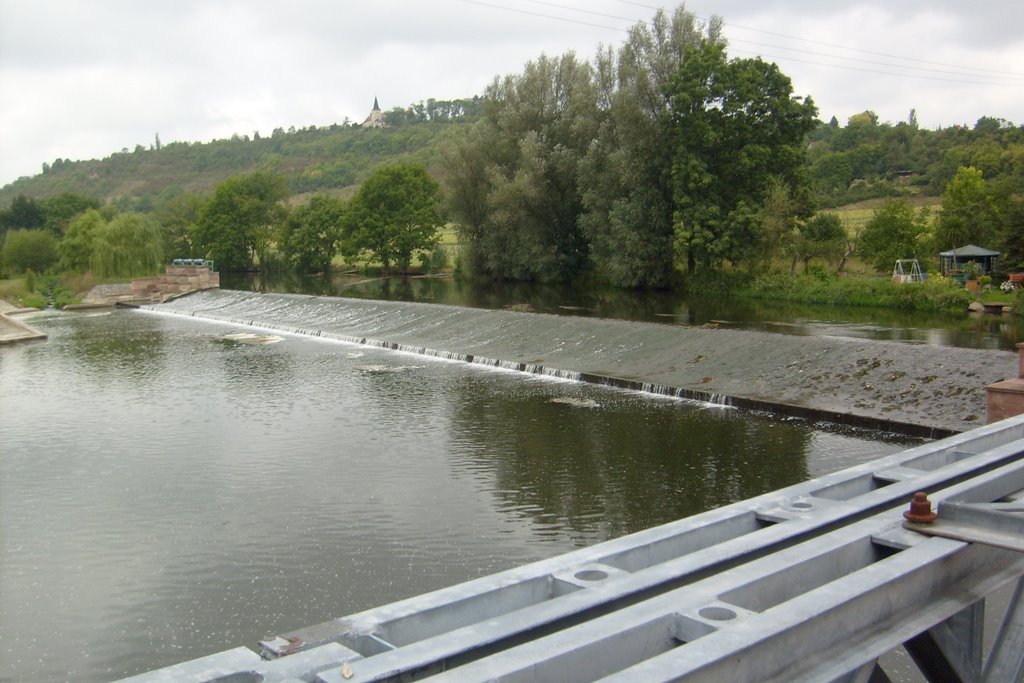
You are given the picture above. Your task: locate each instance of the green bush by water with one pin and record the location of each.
(33, 300)
(935, 294)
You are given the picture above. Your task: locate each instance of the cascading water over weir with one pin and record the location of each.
(910, 389)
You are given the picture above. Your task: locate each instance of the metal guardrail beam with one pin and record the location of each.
(448, 628)
(821, 610)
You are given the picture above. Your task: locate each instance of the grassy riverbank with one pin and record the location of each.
(34, 291)
(936, 294)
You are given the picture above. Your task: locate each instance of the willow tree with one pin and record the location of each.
(512, 183)
(130, 245)
(77, 246)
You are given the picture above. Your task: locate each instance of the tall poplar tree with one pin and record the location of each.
(626, 176)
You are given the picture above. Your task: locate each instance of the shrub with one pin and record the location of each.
(34, 300)
(935, 294)
(434, 261)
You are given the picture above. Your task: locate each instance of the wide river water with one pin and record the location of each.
(171, 488)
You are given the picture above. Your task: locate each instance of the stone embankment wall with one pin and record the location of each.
(177, 280)
(1006, 399)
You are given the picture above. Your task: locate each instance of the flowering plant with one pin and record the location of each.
(1006, 286)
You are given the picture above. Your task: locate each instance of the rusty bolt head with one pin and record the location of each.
(920, 511)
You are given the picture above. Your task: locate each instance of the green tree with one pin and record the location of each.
(822, 236)
(178, 217)
(779, 224)
(59, 210)
(894, 231)
(236, 226)
(832, 173)
(1013, 238)
(309, 238)
(524, 155)
(464, 172)
(969, 213)
(25, 250)
(625, 176)
(394, 213)
(736, 124)
(130, 245)
(77, 246)
(24, 213)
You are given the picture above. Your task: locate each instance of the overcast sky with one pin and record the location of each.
(82, 79)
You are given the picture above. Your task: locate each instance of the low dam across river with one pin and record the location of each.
(913, 389)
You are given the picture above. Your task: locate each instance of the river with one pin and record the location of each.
(171, 487)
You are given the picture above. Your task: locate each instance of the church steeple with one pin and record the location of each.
(376, 117)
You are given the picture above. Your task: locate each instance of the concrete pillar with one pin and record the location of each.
(1006, 399)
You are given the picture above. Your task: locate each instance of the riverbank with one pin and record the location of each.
(910, 388)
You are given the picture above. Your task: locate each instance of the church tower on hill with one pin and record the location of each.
(376, 117)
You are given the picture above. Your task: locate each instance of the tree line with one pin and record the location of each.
(663, 150)
(667, 155)
(246, 224)
(867, 159)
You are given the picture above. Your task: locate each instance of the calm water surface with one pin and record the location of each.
(169, 489)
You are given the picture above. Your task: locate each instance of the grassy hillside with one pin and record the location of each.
(334, 159)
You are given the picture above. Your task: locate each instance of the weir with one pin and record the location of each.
(910, 389)
(813, 582)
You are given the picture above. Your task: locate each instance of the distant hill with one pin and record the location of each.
(862, 160)
(327, 159)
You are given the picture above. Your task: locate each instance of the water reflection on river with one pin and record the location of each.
(169, 488)
(974, 330)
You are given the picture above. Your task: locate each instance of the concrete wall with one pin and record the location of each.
(1006, 399)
